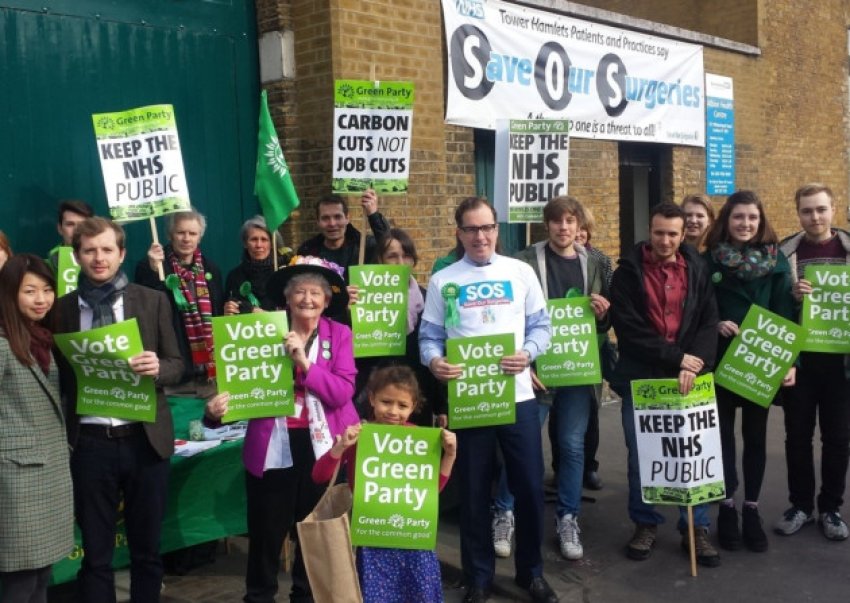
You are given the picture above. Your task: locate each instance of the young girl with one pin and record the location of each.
(391, 575)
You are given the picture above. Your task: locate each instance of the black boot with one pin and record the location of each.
(728, 532)
(752, 531)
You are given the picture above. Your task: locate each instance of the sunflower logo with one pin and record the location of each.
(106, 123)
(274, 157)
(258, 393)
(646, 391)
(396, 520)
(118, 393)
(750, 378)
(346, 91)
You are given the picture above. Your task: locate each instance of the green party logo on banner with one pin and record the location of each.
(67, 270)
(396, 487)
(826, 310)
(252, 366)
(678, 439)
(106, 385)
(759, 356)
(483, 395)
(373, 124)
(142, 162)
(379, 318)
(573, 355)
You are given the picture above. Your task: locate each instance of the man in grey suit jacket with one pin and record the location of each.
(113, 457)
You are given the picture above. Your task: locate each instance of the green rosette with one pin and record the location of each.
(172, 283)
(245, 291)
(450, 293)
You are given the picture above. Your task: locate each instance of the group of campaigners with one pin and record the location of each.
(674, 303)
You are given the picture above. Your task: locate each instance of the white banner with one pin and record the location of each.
(511, 62)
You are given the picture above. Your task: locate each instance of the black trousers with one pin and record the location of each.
(822, 396)
(103, 470)
(25, 586)
(754, 435)
(276, 502)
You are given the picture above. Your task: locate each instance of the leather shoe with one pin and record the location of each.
(540, 591)
(592, 481)
(475, 594)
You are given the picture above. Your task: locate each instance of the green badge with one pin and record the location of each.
(450, 293)
(717, 277)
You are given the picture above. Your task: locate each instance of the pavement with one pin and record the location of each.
(799, 568)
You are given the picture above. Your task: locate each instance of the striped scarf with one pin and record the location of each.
(197, 313)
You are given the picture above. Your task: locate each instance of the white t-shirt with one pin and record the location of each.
(493, 299)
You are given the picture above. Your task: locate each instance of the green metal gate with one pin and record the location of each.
(62, 60)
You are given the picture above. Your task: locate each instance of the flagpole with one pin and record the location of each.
(156, 242)
(274, 249)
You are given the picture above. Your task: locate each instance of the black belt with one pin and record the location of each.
(111, 432)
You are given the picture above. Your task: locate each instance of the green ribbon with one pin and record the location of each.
(450, 293)
(245, 291)
(172, 282)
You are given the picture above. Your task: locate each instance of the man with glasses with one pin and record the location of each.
(493, 294)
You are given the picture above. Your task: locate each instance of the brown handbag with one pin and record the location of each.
(325, 540)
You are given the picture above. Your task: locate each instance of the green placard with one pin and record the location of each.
(373, 125)
(67, 270)
(759, 356)
(396, 487)
(106, 385)
(252, 366)
(483, 395)
(826, 311)
(142, 163)
(678, 439)
(573, 354)
(379, 318)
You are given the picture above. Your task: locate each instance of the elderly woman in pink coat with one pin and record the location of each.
(279, 453)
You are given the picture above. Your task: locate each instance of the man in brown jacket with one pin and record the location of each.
(111, 457)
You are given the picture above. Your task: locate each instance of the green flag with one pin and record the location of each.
(273, 183)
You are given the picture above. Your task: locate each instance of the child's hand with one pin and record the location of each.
(449, 443)
(347, 439)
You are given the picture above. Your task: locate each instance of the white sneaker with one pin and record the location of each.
(568, 532)
(834, 528)
(503, 532)
(792, 521)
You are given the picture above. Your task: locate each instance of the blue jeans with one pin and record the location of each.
(639, 511)
(476, 460)
(504, 500)
(573, 411)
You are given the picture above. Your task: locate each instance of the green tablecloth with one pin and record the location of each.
(206, 497)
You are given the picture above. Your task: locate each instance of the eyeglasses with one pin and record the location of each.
(485, 228)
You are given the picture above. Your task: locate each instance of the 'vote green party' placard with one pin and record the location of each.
(573, 354)
(483, 395)
(826, 310)
(759, 356)
(379, 318)
(396, 487)
(106, 385)
(67, 270)
(252, 366)
(678, 439)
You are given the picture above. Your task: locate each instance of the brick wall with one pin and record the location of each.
(791, 105)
